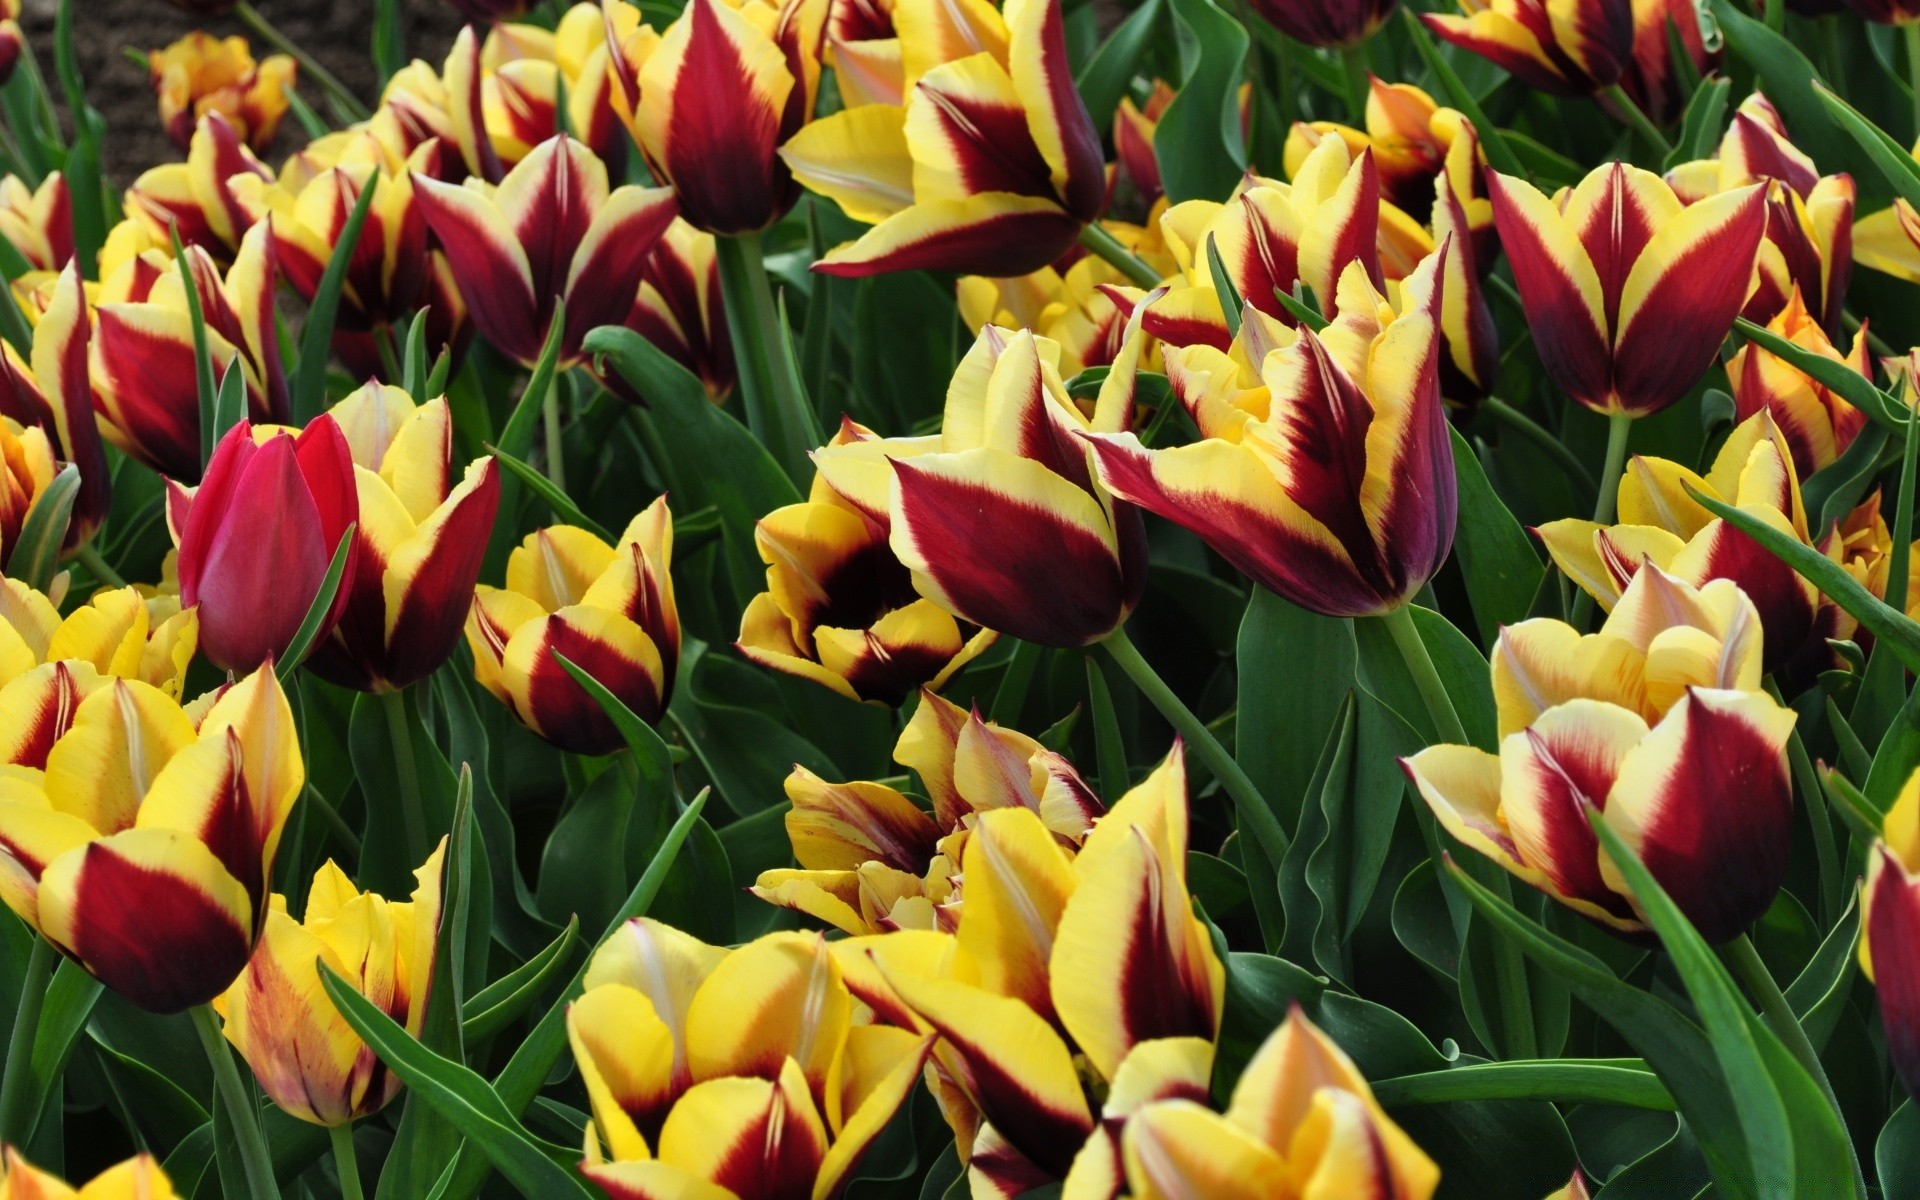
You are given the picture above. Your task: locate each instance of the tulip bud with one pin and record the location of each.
(527, 71)
(38, 222)
(12, 40)
(26, 468)
(1890, 928)
(1133, 131)
(679, 310)
(257, 536)
(609, 610)
(1582, 52)
(200, 74)
(51, 391)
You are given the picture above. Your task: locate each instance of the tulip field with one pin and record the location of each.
(961, 600)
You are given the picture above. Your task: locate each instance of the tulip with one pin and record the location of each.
(421, 104)
(1816, 421)
(38, 222)
(525, 69)
(258, 535)
(421, 535)
(679, 310)
(1651, 81)
(1632, 340)
(12, 40)
(144, 359)
(200, 74)
(195, 197)
(26, 468)
(873, 63)
(141, 844)
(990, 166)
(1579, 52)
(840, 608)
(51, 391)
(1328, 24)
(1889, 925)
(609, 610)
(1302, 1121)
(1133, 132)
(1410, 135)
(1658, 722)
(119, 633)
(1889, 240)
(1275, 483)
(1576, 1188)
(1809, 244)
(552, 232)
(307, 1058)
(138, 1178)
(1085, 310)
(737, 1074)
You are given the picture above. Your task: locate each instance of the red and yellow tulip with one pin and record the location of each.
(137, 840)
(1576, 1188)
(1326, 475)
(1085, 309)
(51, 391)
(1657, 721)
(308, 1060)
(421, 104)
(1890, 929)
(609, 610)
(525, 69)
(1577, 48)
(553, 231)
(714, 99)
(138, 1178)
(679, 310)
(1889, 240)
(26, 468)
(257, 536)
(1817, 423)
(1330, 24)
(990, 165)
(1411, 137)
(195, 197)
(12, 40)
(1134, 127)
(200, 74)
(38, 222)
(1628, 292)
(421, 535)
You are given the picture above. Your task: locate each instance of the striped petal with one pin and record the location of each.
(1560, 288)
(1550, 773)
(987, 233)
(753, 1137)
(496, 273)
(617, 652)
(1018, 885)
(625, 1053)
(122, 736)
(778, 998)
(1890, 955)
(1057, 118)
(838, 826)
(1179, 1150)
(37, 709)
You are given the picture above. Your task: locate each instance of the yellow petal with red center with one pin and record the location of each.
(27, 624)
(882, 1065)
(776, 998)
(766, 637)
(996, 232)
(1461, 784)
(37, 708)
(1540, 663)
(905, 649)
(857, 158)
(922, 953)
(625, 1053)
(497, 614)
(33, 834)
(556, 566)
(122, 736)
(1018, 884)
(255, 712)
(838, 826)
(1056, 116)
(927, 747)
(1178, 1150)
(829, 896)
(1560, 286)
(743, 1134)
(608, 646)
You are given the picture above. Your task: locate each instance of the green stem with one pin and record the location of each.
(1826, 854)
(1636, 117)
(1426, 677)
(1619, 426)
(1354, 59)
(345, 1162)
(16, 1125)
(1542, 437)
(556, 445)
(1622, 1083)
(1911, 33)
(400, 733)
(254, 1156)
(1776, 15)
(342, 97)
(88, 555)
(1098, 241)
(777, 412)
(1255, 816)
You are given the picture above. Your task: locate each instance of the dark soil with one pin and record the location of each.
(338, 34)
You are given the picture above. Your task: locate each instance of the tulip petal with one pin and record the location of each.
(857, 158)
(991, 233)
(1018, 884)
(1179, 1148)
(753, 1137)
(1891, 925)
(1549, 773)
(497, 277)
(776, 998)
(1560, 288)
(625, 1053)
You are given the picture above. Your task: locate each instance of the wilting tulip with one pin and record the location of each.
(841, 610)
(38, 222)
(1085, 310)
(1809, 244)
(257, 536)
(609, 610)
(308, 1060)
(525, 73)
(144, 360)
(741, 1074)
(871, 861)
(679, 310)
(1658, 722)
(1275, 483)
(720, 146)
(1816, 421)
(200, 74)
(1330, 24)
(1302, 1121)
(194, 197)
(1133, 131)
(992, 165)
(1579, 52)
(138, 1178)
(1628, 293)
(1890, 928)
(141, 844)
(422, 533)
(51, 391)
(1661, 524)
(553, 231)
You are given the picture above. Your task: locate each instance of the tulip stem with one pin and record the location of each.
(1636, 117)
(1255, 815)
(1354, 59)
(400, 733)
(1104, 244)
(777, 409)
(254, 1156)
(342, 97)
(89, 556)
(1542, 437)
(16, 1126)
(1426, 677)
(346, 1162)
(1619, 427)
(1911, 32)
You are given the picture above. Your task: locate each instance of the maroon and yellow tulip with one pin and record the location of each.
(421, 104)
(1817, 423)
(119, 633)
(38, 222)
(308, 1060)
(421, 535)
(1890, 930)
(679, 310)
(12, 40)
(1330, 24)
(258, 535)
(200, 74)
(51, 391)
(609, 610)
(26, 468)
(137, 841)
(1134, 127)
(1658, 722)
(195, 197)
(991, 164)
(138, 1178)
(1652, 80)
(1628, 292)
(553, 231)
(1327, 475)
(1886, 12)
(1576, 48)
(1889, 240)
(1302, 1122)
(1411, 137)
(714, 99)
(527, 70)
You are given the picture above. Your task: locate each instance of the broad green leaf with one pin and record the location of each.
(1198, 138)
(1700, 126)
(1496, 557)
(1896, 1154)
(1892, 159)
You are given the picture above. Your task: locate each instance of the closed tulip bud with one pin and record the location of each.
(258, 535)
(1817, 423)
(1133, 132)
(1658, 722)
(609, 610)
(1580, 51)
(139, 1178)
(1330, 24)
(307, 1058)
(12, 39)
(1890, 929)
(51, 390)
(38, 222)
(679, 310)
(421, 535)
(1652, 80)
(991, 165)
(140, 842)
(553, 231)
(195, 197)
(1628, 293)
(1576, 1188)
(527, 71)
(200, 74)
(1275, 483)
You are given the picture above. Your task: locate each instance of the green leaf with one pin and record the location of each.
(1892, 159)
(501, 1002)
(1496, 557)
(1624, 1082)
(582, 875)
(1198, 138)
(1790, 82)
(1851, 385)
(516, 438)
(564, 509)
(63, 1016)
(1105, 79)
(303, 637)
(1302, 310)
(1229, 295)
(1110, 749)
(1700, 127)
(202, 355)
(309, 383)
(1819, 995)
(229, 402)
(1831, 492)
(413, 360)
(35, 555)
(1896, 1154)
